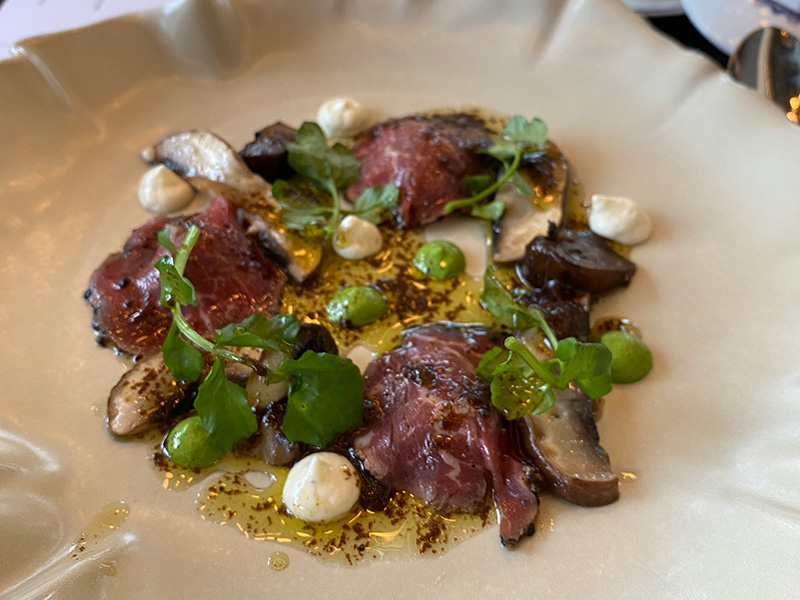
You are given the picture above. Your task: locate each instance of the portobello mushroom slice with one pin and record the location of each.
(564, 445)
(268, 443)
(210, 164)
(566, 310)
(547, 173)
(577, 258)
(267, 154)
(145, 396)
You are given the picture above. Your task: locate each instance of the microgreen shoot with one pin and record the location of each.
(520, 383)
(324, 390)
(519, 137)
(328, 169)
(307, 215)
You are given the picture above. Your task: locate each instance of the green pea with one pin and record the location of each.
(440, 259)
(356, 306)
(630, 357)
(189, 445)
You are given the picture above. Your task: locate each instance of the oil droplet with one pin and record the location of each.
(110, 518)
(108, 569)
(629, 476)
(278, 561)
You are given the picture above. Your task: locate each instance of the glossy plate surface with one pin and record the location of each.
(711, 435)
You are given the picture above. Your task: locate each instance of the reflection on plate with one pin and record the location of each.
(710, 435)
(655, 8)
(726, 24)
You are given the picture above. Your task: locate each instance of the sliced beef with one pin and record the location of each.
(437, 436)
(267, 154)
(427, 157)
(565, 446)
(576, 258)
(566, 310)
(232, 280)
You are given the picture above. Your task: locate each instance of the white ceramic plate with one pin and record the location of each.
(711, 434)
(655, 8)
(726, 24)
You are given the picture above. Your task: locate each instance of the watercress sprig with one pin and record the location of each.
(325, 396)
(519, 136)
(520, 383)
(312, 218)
(329, 169)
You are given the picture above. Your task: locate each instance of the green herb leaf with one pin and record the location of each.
(325, 398)
(519, 136)
(175, 288)
(475, 184)
(328, 168)
(375, 202)
(257, 331)
(521, 185)
(589, 365)
(223, 408)
(531, 133)
(491, 211)
(184, 361)
(490, 361)
(498, 300)
(502, 149)
(517, 392)
(164, 240)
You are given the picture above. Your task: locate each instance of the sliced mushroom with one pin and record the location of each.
(566, 310)
(146, 395)
(576, 258)
(316, 338)
(268, 443)
(260, 392)
(564, 445)
(211, 164)
(525, 217)
(267, 154)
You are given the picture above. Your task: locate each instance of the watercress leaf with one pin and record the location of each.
(503, 150)
(184, 361)
(475, 184)
(223, 408)
(521, 185)
(498, 300)
(490, 211)
(517, 391)
(490, 361)
(301, 214)
(164, 240)
(588, 364)
(344, 167)
(325, 398)
(175, 288)
(328, 168)
(530, 134)
(308, 154)
(374, 202)
(257, 331)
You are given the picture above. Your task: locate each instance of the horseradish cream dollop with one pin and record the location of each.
(163, 192)
(321, 487)
(619, 219)
(342, 117)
